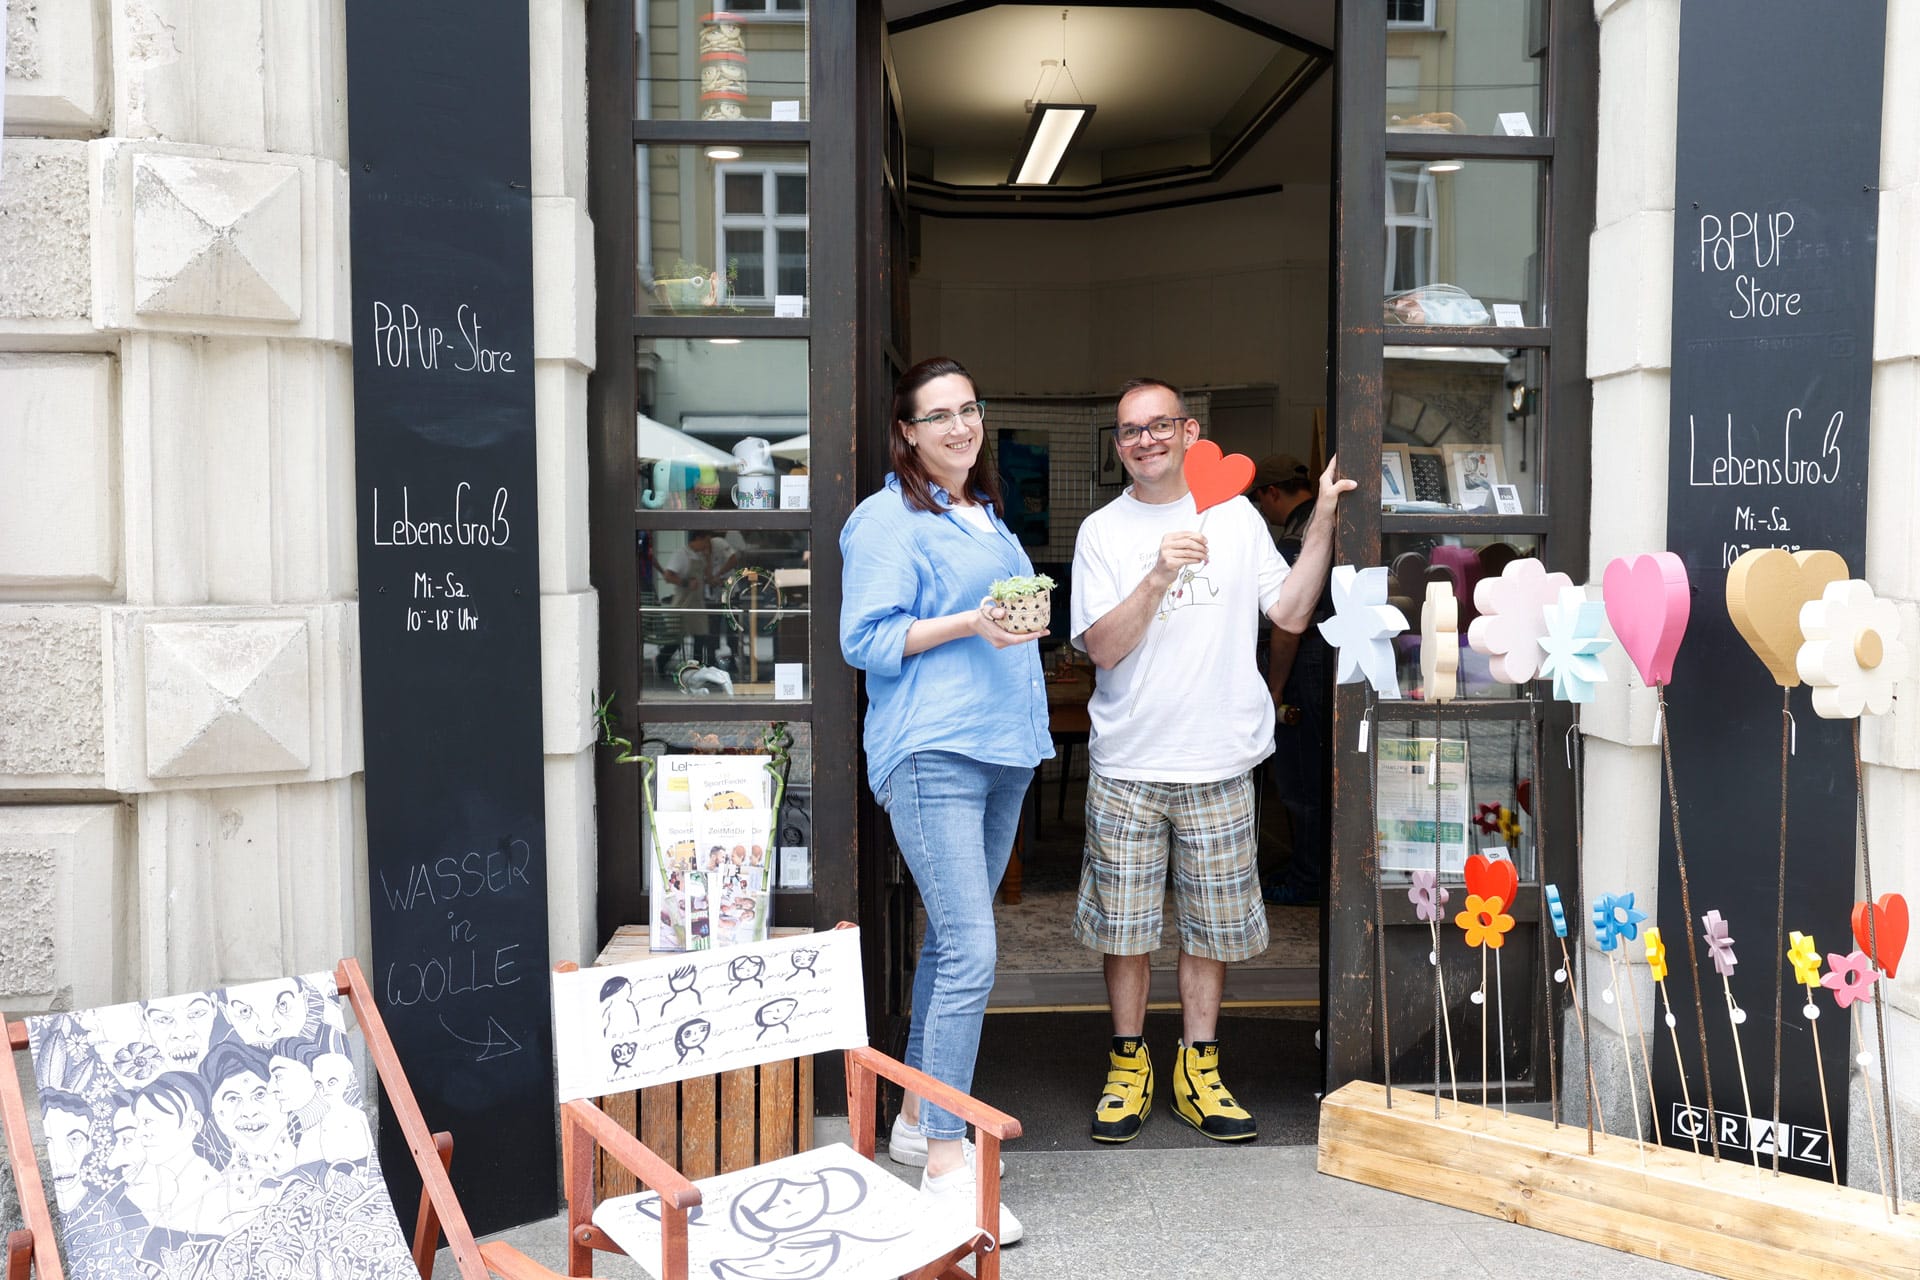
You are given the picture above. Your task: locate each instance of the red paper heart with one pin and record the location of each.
(1889, 928)
(1492, 878)
(1214, 478)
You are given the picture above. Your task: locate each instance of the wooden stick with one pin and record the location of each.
(1679, 1062)
(1873, 1121)
(1820, 1065)
(1686, 909)
(1500, 1043)
(1573, 989)
(1746, 1098)
(1646, 1060)
(1446, 1015)
(1486, 1085)
(1633, 1089)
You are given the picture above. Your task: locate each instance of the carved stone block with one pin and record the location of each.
(46, 238)
(56, 73)
(63, 935)
(59, 493)
(216, 238)
(227, 697)
(51, 697)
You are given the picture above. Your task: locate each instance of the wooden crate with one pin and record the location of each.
(713, 1124)
(1725, 1218)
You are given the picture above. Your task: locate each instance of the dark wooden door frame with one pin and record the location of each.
(1355, 399)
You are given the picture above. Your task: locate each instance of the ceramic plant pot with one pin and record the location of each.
(1029, 613)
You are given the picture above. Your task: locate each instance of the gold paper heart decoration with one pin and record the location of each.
(1765, 589)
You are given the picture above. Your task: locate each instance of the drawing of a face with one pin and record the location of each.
(333, 1075)
(805, 1256)
(623, 1054)
(69, 1143)
(691, 1035)
(245, 1111)
(263, 1012)
(803, 961)
(125, 1157)
(167, 1120)
(290, 1083)
(774, 1013)
(182, 1026)
(746, 969)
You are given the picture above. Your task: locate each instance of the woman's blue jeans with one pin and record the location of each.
(954, 819)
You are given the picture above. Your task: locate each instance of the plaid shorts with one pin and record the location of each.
(1216, 879)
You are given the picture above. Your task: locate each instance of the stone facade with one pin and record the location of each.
(180, 727)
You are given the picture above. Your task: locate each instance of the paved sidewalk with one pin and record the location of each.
(1222, 1213)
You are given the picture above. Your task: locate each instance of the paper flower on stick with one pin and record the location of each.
(1512, 618)
(1719, 945)
(1556, 912)
(1805, 958)
(1849, 977)
(1426, 896)
(1648, 604)
(1487, 817)
(1509, 826)
(1572, 643)
(1656, 954)
(1362, 628)
(1485, 922)
(1614, 919)
(1440, 643)
(1853, 651)
(1881, 930)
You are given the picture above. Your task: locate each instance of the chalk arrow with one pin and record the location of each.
(498, 1043)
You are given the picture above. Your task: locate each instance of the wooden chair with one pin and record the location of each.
(675, 1206)
(152, 1062)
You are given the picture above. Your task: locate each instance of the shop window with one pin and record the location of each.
(722, 230)
(763, 231)
(1484, 77)
(1409, 226)
(1410, 13)
(747, 61)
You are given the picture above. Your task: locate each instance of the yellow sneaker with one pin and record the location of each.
(1202, 1100)
(1128, 1095)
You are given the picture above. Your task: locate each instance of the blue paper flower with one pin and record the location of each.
(1556, 911)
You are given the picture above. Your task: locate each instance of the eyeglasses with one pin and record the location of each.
(971, 414)
(1159, 429)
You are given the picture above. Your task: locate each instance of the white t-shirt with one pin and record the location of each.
(976, 516)
(1202, 712)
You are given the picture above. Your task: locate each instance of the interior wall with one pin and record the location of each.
(1227, 294)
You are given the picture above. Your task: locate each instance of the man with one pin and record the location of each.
(1297, 678)
(1166, 603)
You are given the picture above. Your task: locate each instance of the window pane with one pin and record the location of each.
(1467, 236)
(745, 192)
(704, 227)
(1482, 59)
(1463, 430)
(790, 195)
(702, 403)
(696, 62)
(793, 261)
(722, 614)
(1414, 560)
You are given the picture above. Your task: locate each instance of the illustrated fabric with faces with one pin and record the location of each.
(218, 1134)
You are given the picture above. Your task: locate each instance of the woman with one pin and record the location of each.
(956, 722)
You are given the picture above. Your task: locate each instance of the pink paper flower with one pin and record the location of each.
(1719, 945)
(1849, 977)
(1427, 897)
(1512, 618)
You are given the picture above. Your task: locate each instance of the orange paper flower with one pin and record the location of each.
(1484, 921)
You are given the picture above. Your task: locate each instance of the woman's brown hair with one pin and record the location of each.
(916, 485)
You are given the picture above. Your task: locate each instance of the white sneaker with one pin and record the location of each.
(907, 1145)
(955, 1192)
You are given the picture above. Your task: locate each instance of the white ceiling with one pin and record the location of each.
(1156, 76)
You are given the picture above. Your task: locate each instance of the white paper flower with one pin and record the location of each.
(1853, 650)
(1573, 643)
(1362, 628)
(1512, 620)
(1440, 643)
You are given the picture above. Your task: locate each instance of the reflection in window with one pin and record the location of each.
(721, 423)
(723, 614)
(1472, 67)
(763, 221)
(1463, 562)
(1409, 225)
(747, 61)
(1404, 13)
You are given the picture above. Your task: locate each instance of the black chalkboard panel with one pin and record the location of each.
(1775, 217)
(449, 586)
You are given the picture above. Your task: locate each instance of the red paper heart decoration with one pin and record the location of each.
(1889, 928)
(1492, 878)
(1214, 478)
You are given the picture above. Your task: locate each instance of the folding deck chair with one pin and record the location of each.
(829, 1212)
(220, 1134)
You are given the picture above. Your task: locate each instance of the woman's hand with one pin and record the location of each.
(986, 622)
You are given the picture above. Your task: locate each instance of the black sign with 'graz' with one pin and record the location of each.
(1775, 213)
(440, 173)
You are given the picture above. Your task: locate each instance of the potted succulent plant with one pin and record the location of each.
(1027, 600)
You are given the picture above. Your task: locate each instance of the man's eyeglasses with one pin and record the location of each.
(1159, 429)
(943, 419)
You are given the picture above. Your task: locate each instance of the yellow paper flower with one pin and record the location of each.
(1509, 826)
(1806, 959)
(1656, 954)
(1484, 922)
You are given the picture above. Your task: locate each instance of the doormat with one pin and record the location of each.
(1046, 1070)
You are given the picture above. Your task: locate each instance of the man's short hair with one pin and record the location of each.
(1139, 384)
(1284, 470)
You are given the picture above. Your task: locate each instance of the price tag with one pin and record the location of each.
(796, 867)
(793, 493)
(789, 682)
(789, 306)
(785, 109)
(1512, 123)
(1509, 316)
